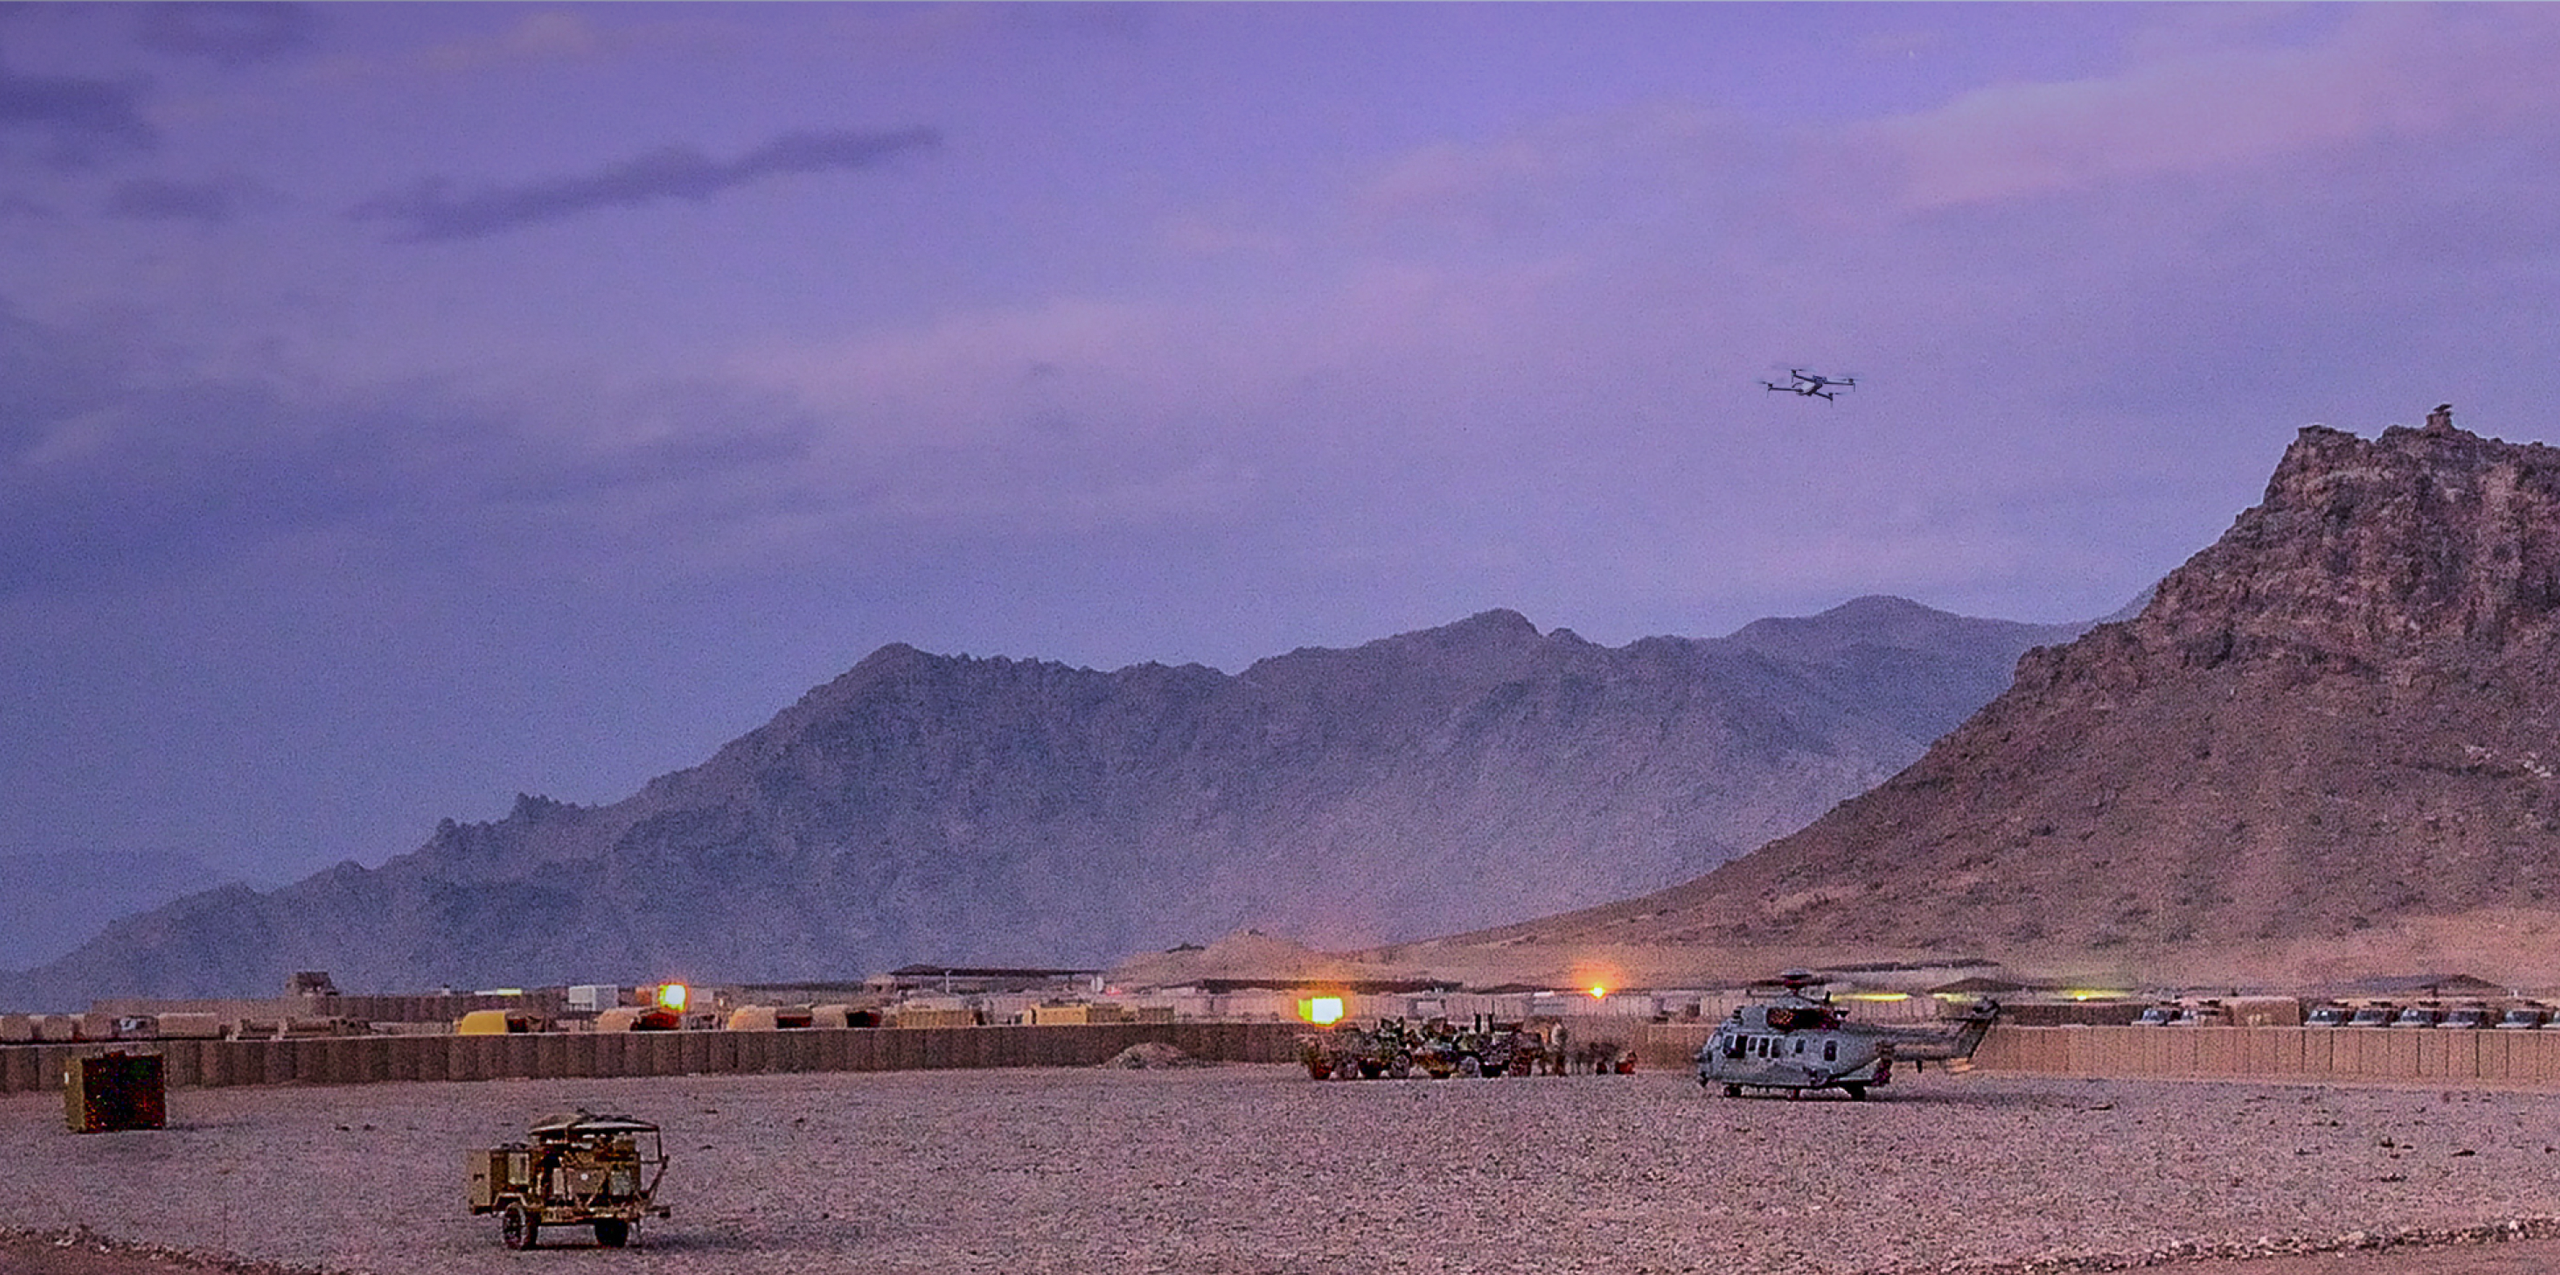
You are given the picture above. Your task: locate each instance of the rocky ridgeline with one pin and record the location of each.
(2335, 723)
(1016, 812)
(2422, 549)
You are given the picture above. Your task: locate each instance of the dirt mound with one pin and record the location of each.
(1149, 1055)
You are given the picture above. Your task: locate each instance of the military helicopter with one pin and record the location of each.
(1814, 384)
(1798, 1041)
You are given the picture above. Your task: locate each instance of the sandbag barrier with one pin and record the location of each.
(353, 1060)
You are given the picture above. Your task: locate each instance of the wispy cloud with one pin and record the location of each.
(113, 468)
(154, 199)
(75, 123)
(232, 34)
(430, 211)
(2384, 73)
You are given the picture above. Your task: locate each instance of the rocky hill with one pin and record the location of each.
(996, 811)
(51, 903)
(2327, 747)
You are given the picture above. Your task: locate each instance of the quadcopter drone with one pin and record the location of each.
(1813, 384)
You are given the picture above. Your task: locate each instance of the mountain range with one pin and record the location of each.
(2328, 747)
(937, 808)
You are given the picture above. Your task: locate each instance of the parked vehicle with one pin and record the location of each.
(2522, 1018)
(2374, 1015)
(1437, 1048)
(575, 1169)
(2157, 1016)
(2328, 1016)
(2466, 1016)
(2417, 1016)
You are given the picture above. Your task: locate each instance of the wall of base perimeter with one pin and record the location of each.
(355, 1060)
(2260, 1053)
(2253, 1053)
(1669, 1046)
(2279, 1053)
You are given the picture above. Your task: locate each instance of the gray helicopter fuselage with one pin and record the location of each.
(1794, 1043)
(1797, 1043)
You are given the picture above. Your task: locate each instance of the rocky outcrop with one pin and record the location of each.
(1010, 812)
(2338, 720)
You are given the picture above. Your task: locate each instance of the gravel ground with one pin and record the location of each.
(1231, 1170)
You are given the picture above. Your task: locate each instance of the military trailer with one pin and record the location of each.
(577, 1169)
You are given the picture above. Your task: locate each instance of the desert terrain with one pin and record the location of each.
(1255, 1170)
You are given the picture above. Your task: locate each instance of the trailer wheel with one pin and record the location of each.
(1733, 1091)
(518, 1228)
(612, 1232)
(1857, 1091)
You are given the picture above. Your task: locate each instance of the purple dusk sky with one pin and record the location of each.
(404, 406)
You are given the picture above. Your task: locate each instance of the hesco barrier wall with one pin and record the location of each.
(2259, 1053)
(2279, 1053)
(422, 1008)
(1670, 1046)
(354, 1060)
(2264, 1053)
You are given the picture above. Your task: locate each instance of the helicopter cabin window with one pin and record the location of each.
(1831, 1051)
(1799, 1044)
